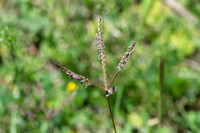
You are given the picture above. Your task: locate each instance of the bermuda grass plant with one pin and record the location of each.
(36, 34)
(102, 57)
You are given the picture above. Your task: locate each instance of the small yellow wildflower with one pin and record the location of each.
(49, 104)
(71, 86)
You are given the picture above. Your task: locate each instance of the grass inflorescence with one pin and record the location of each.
(101, 56)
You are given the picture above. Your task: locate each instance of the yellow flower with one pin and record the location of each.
(71, 86)
(49, 104)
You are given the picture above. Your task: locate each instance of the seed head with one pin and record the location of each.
(126, 56)
(100, 41)
(75, 76)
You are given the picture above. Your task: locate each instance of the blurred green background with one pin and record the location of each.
(35, 34)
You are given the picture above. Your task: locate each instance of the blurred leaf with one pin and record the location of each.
(136, 120)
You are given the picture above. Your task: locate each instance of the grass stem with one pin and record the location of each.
(113, 79)
(113, 122)
(161, 82)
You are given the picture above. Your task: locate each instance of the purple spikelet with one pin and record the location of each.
(126, 56)
(100, 42)
(100, 50)
(75, 76)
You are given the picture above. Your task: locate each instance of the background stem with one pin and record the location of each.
(161, 81)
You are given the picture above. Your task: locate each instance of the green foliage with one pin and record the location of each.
(36, 34)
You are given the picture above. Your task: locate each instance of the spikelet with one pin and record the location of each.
(100, 50)
(85, 82)
(126, 56)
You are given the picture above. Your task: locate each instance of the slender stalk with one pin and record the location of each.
(30, 114)
(113, 122)
(64, 103)
(43, 107)
(49, 129)
(161, 82)
(96, 85)
(113, 79)
(104, 73)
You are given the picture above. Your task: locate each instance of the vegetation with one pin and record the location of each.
(36, 34)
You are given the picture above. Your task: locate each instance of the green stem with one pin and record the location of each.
(113, 122)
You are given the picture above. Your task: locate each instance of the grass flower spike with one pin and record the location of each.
(101, 56)
(100, 42)
(126, 56)
(100, 50)
(85, 82)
